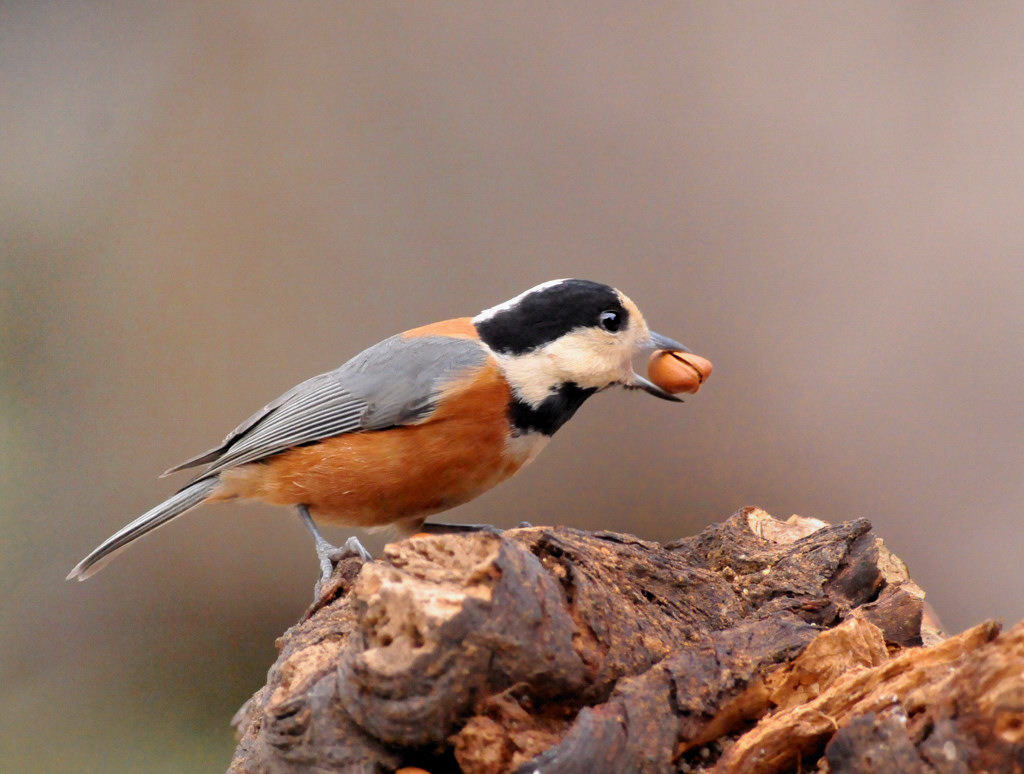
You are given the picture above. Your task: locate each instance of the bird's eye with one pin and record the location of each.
(611, 320)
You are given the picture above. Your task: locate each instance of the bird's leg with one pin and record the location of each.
(328, 554)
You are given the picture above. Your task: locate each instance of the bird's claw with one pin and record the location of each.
(330, 556)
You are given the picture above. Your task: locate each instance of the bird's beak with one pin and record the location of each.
(657, 341)
(641, 383)
(654, 342)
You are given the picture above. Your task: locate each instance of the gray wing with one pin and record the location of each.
(395, 382)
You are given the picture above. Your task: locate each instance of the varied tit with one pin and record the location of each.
(423, 421)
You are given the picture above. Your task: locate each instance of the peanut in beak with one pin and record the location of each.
(677, 372)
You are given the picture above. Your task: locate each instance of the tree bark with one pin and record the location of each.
(755, 646)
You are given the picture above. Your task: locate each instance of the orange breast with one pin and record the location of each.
(397, 476)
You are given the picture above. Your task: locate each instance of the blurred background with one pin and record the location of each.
(203, 204)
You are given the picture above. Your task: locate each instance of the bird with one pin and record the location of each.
(420, 422)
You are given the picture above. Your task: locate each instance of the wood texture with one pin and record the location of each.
(755, 646)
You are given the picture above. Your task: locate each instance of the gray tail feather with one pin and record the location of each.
(186, 499)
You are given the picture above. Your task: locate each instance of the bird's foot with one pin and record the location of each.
(442, 528)
(330, 556)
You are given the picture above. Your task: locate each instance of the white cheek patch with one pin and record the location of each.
(588, 357)
(529, 376)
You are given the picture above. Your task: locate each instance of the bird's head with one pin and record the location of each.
(570, 332)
